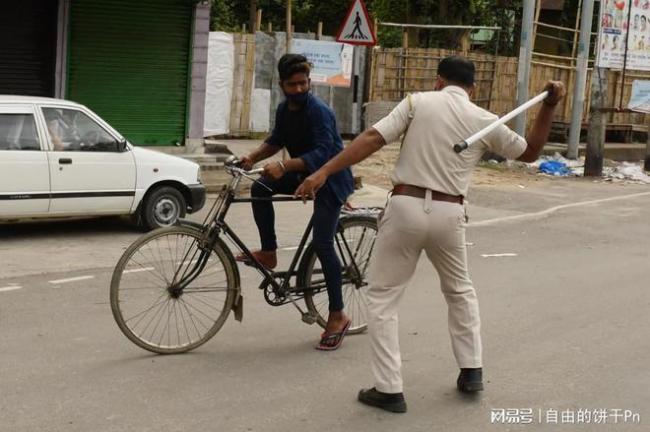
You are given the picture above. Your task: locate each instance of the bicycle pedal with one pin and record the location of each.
(308, 318)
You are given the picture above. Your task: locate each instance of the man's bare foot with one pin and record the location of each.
(337, 327)
(336, 321)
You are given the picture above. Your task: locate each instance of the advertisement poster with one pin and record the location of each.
(614, 27)
(640, 100)
(332, 61)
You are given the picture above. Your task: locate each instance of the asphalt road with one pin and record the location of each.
(565, 326)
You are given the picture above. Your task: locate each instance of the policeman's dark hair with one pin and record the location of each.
(457, 70)
(290, 64)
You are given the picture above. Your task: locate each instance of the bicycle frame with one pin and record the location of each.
(286, 275)
(218, 225)
(269, 276)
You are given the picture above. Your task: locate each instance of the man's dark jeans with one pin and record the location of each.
(325, 221)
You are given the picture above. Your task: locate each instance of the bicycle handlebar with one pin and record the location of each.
(241, 171)
(254, 171)
(232, 165)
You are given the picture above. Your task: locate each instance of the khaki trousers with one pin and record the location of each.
(409, 226)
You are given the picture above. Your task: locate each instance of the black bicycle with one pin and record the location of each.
(173, 288)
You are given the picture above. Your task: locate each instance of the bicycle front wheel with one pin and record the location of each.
(169, 293)
(354, 243)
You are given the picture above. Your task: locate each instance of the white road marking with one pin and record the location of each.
(499, 255)
(292, 248)
(10, 288)
(143, 269)
(138, 270)
(74, 279)
(550, 210)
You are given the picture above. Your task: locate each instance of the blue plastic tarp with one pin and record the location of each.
(555, 168)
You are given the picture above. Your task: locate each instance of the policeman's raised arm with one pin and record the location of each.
(538, 135)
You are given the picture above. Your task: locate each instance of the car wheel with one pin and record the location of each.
(163, 207)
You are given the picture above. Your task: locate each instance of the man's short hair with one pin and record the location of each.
(457, 70)
(290, 64)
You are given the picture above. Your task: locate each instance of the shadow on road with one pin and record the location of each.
(35, 229)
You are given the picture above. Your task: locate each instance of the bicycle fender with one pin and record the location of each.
(238, 307)
(189, 223)
(238, 304)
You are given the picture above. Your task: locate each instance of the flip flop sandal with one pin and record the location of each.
(332, 341)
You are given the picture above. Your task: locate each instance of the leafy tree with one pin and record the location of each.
(331, 13)
(222, 17)
(228, 15)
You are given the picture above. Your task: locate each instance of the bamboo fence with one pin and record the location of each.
(398, 71)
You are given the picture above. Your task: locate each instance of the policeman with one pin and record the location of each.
(426, 212)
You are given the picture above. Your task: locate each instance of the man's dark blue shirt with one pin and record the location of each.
(310, 134)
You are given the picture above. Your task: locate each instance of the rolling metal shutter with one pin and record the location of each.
(28, 47)
(129, 61)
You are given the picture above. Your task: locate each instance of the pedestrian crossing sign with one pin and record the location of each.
(356, 28)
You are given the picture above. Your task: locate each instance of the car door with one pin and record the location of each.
(24, 171)
(89, 172)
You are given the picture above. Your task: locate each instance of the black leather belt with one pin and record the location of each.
(419, 192)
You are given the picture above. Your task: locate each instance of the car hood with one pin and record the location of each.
(165, 165)
(152, 156)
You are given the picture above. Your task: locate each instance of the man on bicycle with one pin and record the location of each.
(306, 127)
(425, 212)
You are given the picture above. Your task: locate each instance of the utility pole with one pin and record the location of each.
(258, 21)
(581, 78)
(289, 26)
(289, 35)
(252, 16)
(646, 164)
(525, 57)
(597, 123)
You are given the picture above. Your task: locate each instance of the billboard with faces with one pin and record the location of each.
(613, 34)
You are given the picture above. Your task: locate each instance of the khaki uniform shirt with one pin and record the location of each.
(442, 119)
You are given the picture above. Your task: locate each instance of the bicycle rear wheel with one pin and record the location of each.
(158, 313)
(354, 244)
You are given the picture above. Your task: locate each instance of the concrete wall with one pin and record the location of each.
(261, 103)
(375, 111)
(194, 139)
(268, 50)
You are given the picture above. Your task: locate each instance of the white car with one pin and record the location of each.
(59, 159)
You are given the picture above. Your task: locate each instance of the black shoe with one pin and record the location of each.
(393, 402)
(470, 380)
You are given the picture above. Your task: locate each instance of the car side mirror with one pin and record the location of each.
(121, 146)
